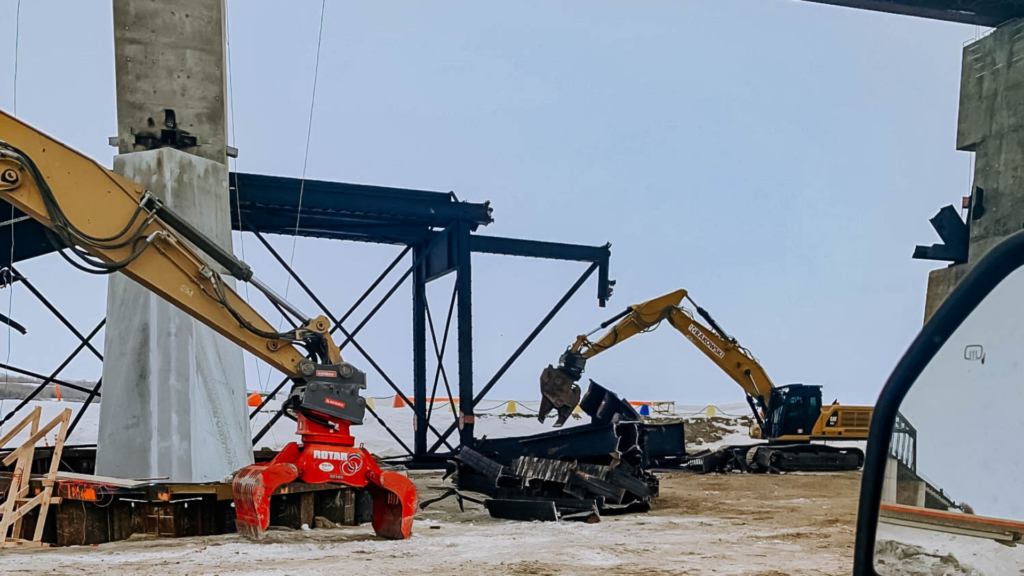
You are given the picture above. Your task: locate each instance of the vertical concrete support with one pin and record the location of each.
(941, 283)
(170, 56)
(990, 124)
(174, 390)
(889, 481)
(911, 493)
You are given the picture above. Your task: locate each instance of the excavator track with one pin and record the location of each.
(776, 458)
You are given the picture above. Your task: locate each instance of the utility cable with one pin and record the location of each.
(10, 295)
(309, 132)
(305, 163)
(17, 38)
(234, 142)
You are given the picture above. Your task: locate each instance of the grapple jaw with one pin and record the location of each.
(251, 489)
(558, 392)
(394, 495)
(394, 505)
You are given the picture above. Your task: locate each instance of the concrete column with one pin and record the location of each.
(173, 390)
(170, 56)
(889, 481)
(940, 283)
(990, 124)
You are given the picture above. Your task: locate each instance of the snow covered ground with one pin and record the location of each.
(723, 524)
(918, 552)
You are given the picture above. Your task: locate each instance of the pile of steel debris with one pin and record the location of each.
(606, 467)
(578, 473)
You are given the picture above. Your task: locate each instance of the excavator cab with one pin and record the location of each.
(793, 410)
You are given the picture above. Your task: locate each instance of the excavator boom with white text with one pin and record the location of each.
(783, 415)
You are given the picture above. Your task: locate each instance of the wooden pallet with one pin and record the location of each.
(17, 503)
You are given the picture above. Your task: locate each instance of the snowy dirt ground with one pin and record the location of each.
(796, 525)
(905, 551)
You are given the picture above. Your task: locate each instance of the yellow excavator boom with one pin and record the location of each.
(735, 360)
(109, 224)
(97, 203)
(560, 392)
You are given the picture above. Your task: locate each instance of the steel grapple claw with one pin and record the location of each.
(326, 456)
(251, 489)
(394, 505)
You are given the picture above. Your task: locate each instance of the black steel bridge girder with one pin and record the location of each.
(990, 13)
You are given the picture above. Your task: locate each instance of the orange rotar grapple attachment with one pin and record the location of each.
(325, 407)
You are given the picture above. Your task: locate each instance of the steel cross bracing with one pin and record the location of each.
(437, 230)
(11, 275)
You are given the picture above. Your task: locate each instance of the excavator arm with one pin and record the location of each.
(104, 223)
(558, 384)
(124, 228)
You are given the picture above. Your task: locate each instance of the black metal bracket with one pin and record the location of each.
(955, 234)
(169, 136)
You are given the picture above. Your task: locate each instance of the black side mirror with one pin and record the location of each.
(941, 489)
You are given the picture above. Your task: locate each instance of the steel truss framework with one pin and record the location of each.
(437, 230)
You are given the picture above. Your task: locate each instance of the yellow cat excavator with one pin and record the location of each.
(108, 223)
(790, 415)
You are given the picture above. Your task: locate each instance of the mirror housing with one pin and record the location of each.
(988, 273)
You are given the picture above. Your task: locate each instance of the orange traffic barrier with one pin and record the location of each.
(254, 399)
(399, 403)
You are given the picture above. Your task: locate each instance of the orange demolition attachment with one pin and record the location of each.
(324, 411)
(114, 224)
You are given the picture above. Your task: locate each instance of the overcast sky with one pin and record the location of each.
(779, 159)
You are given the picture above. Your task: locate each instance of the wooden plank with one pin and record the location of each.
(14, 491)
(952, 522)
(27, 507)
(959, 531)
(19, 480)
(58, 450)
(54, 500)
(107, 480)
(23, 544)
(32, 418)
(39, 434)
(17, 506)
(944, 516)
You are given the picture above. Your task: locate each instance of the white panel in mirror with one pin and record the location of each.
(952, 501)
